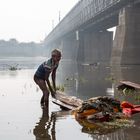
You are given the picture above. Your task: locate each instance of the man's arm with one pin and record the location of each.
(54, 78)
(48, 83)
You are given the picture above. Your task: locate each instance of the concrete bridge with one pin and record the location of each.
(82, 34)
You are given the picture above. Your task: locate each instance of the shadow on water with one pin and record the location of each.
(45, 128)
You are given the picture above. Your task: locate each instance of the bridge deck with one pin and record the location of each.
(85, 11)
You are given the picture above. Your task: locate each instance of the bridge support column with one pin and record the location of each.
(94, 54)
(70, 47)
(126, 46)
(96, 47)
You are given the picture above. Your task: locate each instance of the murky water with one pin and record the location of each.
(22, 118)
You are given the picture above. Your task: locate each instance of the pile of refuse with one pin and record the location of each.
(101, 115)
(99, 108)
(104, 108)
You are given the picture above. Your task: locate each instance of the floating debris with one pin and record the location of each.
(13, 67)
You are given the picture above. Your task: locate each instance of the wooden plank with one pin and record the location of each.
(69, 102)
(63, 105)
(128, 83)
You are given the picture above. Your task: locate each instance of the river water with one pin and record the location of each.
(22, 118)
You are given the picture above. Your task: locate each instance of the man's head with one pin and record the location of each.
(56, 55)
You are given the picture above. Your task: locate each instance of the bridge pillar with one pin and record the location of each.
(70, 47)
(126, 46)
(94, 54)
(95, 47)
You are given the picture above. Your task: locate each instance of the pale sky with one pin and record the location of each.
(31, 20)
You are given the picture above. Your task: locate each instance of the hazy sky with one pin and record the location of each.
(31, 20)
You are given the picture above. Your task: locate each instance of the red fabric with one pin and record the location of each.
(129, 109)
(126, 104)
(136, 110)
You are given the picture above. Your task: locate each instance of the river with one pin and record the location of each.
(22, 118)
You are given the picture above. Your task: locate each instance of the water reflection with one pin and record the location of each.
(84, 81)
(106, 130)
(45, 128)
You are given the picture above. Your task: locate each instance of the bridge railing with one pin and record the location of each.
(83, 11)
